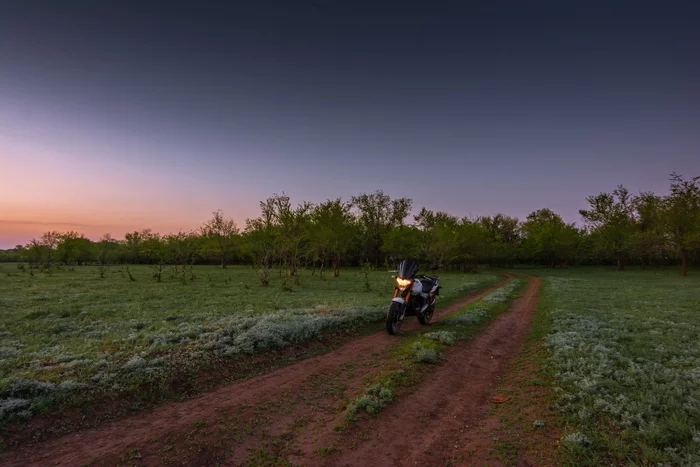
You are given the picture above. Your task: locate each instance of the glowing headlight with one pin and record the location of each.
(402, 283)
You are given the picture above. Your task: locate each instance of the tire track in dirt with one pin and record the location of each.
(217, 413)
(436, 424)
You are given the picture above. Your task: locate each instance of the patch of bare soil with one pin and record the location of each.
(524, 431)
(95, 410)
(261, 420)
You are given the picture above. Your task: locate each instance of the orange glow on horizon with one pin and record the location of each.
(49, 191)
(14, 233)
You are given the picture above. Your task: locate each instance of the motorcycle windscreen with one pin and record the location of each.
(407, 269)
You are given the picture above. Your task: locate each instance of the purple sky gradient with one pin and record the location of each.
(114, 118)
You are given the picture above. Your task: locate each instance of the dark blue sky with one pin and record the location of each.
(157, 113)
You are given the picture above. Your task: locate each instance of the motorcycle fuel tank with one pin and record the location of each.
(417, 288)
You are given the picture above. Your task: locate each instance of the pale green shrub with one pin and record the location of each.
(578, 439)
(12, 405)
(424, 354)
(376, 398)
(443, 337)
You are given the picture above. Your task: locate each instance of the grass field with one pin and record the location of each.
(625, 355)
(72, 332)
(621, 349)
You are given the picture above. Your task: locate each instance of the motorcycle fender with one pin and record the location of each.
(398, 300)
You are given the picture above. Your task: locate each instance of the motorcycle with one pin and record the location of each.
(415, 295)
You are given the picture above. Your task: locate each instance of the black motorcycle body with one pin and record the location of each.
(414, 295)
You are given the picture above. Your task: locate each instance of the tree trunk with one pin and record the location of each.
(684, 263)
(223, 262)
(620, 265)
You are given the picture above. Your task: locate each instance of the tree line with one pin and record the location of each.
(372, 229)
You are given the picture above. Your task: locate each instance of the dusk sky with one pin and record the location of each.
(121, 115)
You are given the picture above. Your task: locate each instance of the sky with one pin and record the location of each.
(117, 116)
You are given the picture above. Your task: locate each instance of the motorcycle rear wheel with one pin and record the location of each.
(393, 323)
(427, 316)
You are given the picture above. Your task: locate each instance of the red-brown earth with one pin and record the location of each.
(293, 414)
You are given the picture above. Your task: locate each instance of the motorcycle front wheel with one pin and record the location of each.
(393, 323)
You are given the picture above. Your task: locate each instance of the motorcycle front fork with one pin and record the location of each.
(404, 306)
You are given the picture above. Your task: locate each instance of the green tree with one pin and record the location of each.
(437, 237)
(134, 246)
(402, 242)
(548, 239)
(35, 253)
(50, 240)
(73, 248)
(183, 248)
(377, 215)
(650, 239)
(332, 232)
(259, 244)
(156, 251)
(471, 244)
(291, 228)
(505, 237)
(222, 236)
(683, 217)
(427, 219)
(106, 249)
(12, 255)
(611, 217)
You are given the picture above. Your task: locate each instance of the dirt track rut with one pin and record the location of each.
(228, 424)
(435, 424)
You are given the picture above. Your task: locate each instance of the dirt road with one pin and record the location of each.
(435, 424)
(291, 413)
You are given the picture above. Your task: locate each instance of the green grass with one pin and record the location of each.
(73, 332)
(625, 356)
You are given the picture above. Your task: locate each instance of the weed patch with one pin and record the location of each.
(626, 365)
(374, 400)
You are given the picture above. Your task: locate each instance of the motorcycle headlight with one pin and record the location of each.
(402, 283)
